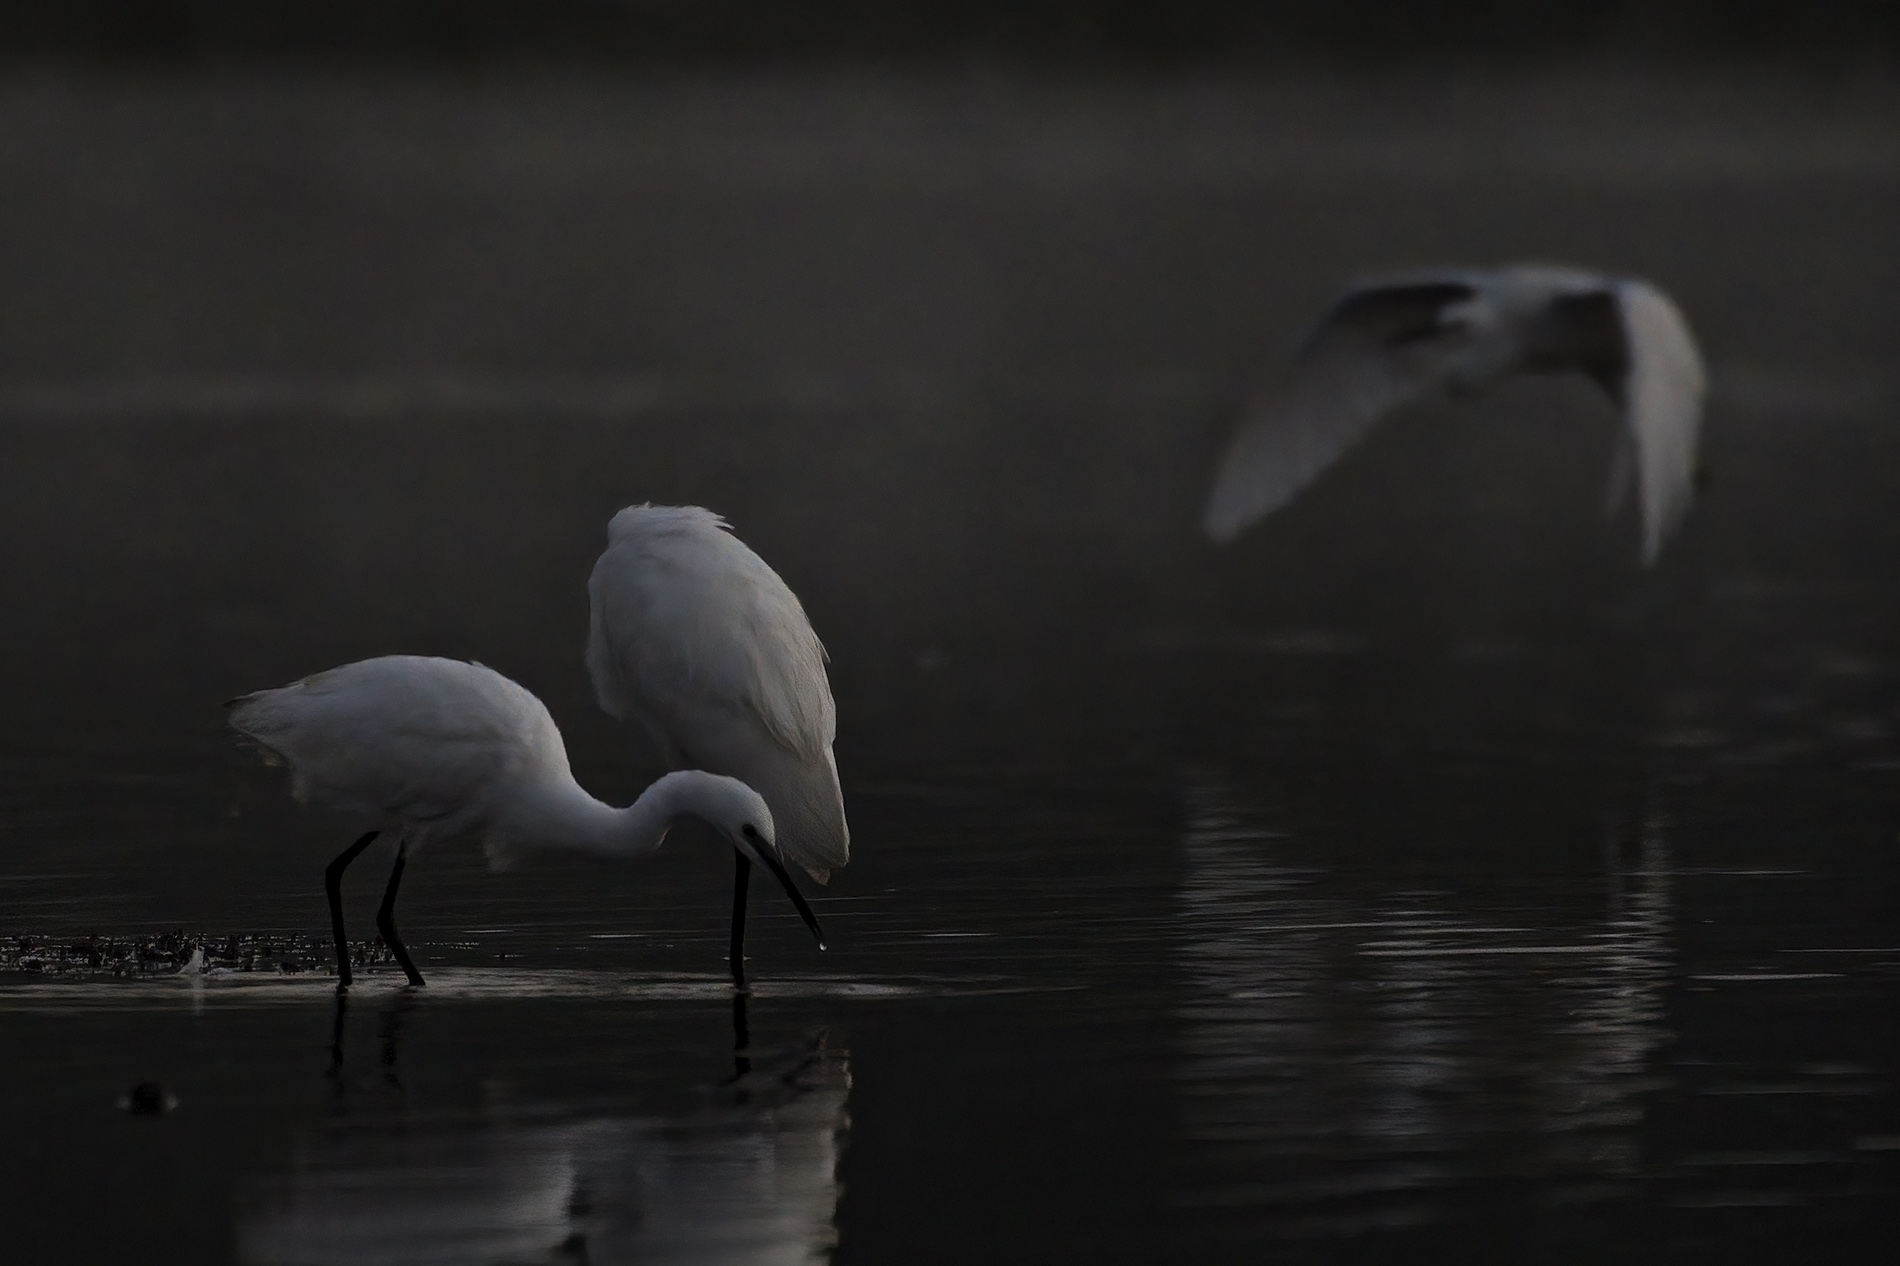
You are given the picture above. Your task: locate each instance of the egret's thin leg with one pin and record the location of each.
(735, 951)
(386, 916)
(333, 886)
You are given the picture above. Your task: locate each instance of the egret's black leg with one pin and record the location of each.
(386, 916)
(333, 886)
(741, 876)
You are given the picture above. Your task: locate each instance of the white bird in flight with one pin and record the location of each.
(1389, 340)
(435, 749)
(701, 642)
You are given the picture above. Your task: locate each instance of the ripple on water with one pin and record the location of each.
(1368, 1060)
(752, 1180)
(465, 984)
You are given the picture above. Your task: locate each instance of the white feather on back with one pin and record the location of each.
(1663, 393)
(685, 612)
(405, 737)
(692, 634)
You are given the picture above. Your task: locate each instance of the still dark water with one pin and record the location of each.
(1417, 880)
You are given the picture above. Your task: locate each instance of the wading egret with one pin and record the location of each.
(695, 637)
(1390, 340)
(435, 749)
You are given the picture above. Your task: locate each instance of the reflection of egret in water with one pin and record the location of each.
(1353, 1061)
(749, 1179)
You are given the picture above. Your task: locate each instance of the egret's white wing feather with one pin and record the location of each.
(683, 613)
(695, 636)
(1663, 393)
(403, 737)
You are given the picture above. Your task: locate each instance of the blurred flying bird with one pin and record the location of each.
(435, 749)
(1390, 340)
(701, 642)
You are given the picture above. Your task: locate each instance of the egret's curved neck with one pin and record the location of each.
(563, 815)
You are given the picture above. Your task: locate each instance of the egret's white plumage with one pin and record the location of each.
(1390, 340)
(701, 642)
(436, 749)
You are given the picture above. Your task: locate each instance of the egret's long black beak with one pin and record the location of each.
(769, 855)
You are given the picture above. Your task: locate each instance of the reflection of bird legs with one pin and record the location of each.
(390, 1030)
(336, 1037)
(741, 1037)
(815, 1054)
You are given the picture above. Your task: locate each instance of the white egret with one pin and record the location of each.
(435, 749)
(701, 642)
(1390, 340)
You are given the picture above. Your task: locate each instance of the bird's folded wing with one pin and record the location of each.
(374, 738)
(1663, 395)
(693, 634)
(686, 626)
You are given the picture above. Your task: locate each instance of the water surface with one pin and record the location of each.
(1418, 879)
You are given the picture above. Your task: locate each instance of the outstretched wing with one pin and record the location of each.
(1662, 401)
(696, 637)
(1380, 346)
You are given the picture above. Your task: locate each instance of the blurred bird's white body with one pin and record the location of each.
(1393, 339)
(694, 636)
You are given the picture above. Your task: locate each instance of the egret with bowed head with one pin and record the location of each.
(433, 750)
(695, 638)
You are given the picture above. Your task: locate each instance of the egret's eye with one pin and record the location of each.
(749, 831)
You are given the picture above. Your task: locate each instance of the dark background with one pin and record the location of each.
(1073, 31)
(313, 351)
(336, 330)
